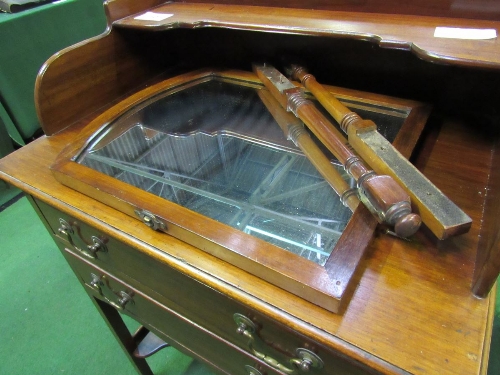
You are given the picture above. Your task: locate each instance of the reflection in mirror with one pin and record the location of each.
(213, 148)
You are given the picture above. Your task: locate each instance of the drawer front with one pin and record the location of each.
(201, 304)
(80, 237)
(174, 328)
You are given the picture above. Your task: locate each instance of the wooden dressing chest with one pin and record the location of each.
(418, 306)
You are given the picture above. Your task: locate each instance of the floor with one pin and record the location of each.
(48, 324)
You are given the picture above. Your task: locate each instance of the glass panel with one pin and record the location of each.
(215, 149)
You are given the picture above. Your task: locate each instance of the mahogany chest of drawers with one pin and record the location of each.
(413, 307)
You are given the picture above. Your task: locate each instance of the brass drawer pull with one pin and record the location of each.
(124, 299)
(304, 361)
(65, 229)
(98, 283)
(87, 248)
(96, 245)
(252, 370)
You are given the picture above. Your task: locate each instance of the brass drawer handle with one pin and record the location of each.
(125, 298)
(64, 228)
(89, 249)
(97, 284)
(96, 245)
(305, 360)
(252, 370)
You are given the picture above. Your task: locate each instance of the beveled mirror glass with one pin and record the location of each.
(201, 155)
(215, 149)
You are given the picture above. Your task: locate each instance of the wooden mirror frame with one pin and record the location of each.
(327, 286)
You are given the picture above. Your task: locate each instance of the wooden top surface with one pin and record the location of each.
(412, 310)
(407, 32)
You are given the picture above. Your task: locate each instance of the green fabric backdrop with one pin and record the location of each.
(27, 40)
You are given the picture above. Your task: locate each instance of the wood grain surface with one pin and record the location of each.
(469, 9)
(412, 310)
(412, 33)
